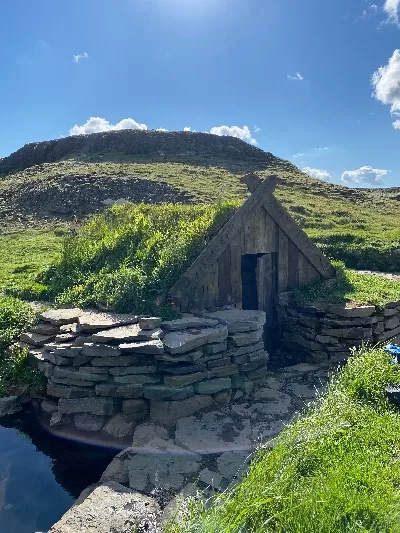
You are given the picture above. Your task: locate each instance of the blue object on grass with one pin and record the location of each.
(394, 350)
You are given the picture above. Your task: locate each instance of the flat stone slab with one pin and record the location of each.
(36, 339)
(179, 342)
(60, 317)
(96, 320)
(239, 321)
(9, 405)
(351, 312)
(111, 508)
(213, 432)
(233, 464)
(155, 347)
(44, 328)
(92, 349)
(167, 413)
(94, 406)
(189, 322)
(124, 334)
(87, 422)
(148, 322)
(163, 465)
(119, 427)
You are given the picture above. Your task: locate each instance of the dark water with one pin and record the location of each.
(41, 475)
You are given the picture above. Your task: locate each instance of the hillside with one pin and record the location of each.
(45, 186)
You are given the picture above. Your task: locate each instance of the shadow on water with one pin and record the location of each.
(41, 475)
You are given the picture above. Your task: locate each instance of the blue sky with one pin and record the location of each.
(297, 73)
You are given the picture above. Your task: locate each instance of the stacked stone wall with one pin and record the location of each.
(328, 333)
(107, 372)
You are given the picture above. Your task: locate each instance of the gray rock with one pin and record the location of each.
(61, 316)
(167, 413)
(9, 405)
(155, 347)
(244, 339)
(211, 349)
(94, 406)
(138, 379)
(80, 360)
(390, 312)
(69, 328)
(71, 382)
(122, 391)
(212, 386)
(64, 349)
(392, 323)
(162, 393)
(150, 322)
(119, 427)
(239, 321)
(91, 321)
(125, 334)
(233, 464)
(111, 508)
(65, 337)
(162, 465)
(258, 375)
(124, 360)
(356, 312)
(189, 357)
(326, 339)
(36, 339)
(223, 397)
(348, 333)
(49, 407)
(350, 323)
(222, 361)
(125, 371)
(182, 368)
(78, 375)
(223, 371)
(62, 391)
(94, 370)
(179, 342)
(87, 422)
(183, 380)
(134, 406)
(44, 328)
(100, 350)
(117, 470)
(188, 322)
(211, 479)
(235, 352)
(390, 334)
(213, 432)
(145, 433)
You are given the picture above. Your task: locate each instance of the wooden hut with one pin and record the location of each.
(259, 253)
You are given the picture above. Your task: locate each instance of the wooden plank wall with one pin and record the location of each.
(222, 281)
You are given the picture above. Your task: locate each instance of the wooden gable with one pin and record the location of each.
(261, 230)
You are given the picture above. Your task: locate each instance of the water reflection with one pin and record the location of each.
(41, 475)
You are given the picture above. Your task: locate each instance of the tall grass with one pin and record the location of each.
(129, 256)
(336, 469)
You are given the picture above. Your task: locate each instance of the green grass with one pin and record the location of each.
(128, 257)
(24, 255)
(350, 288)
(359, 227)
(15, 369)
(336, 469)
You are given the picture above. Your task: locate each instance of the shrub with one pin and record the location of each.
(15, 316)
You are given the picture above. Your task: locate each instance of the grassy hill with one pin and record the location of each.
(46, 188)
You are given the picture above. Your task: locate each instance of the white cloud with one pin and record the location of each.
(158, 129)
(371, 9)
(386, 83)
(396, 124)
(187, 128)
(364, 176)
(322, 175)
(299, 155)
(392, 8)
(79, 57)
(234, 131)
(97, 124)
(298, 77)
(257, 129)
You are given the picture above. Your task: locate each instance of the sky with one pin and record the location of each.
(316, 82)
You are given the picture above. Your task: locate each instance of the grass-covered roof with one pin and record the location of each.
(129, 256)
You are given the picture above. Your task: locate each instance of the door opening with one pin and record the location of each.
(249, 281)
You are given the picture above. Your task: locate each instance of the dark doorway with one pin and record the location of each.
(249, 281)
